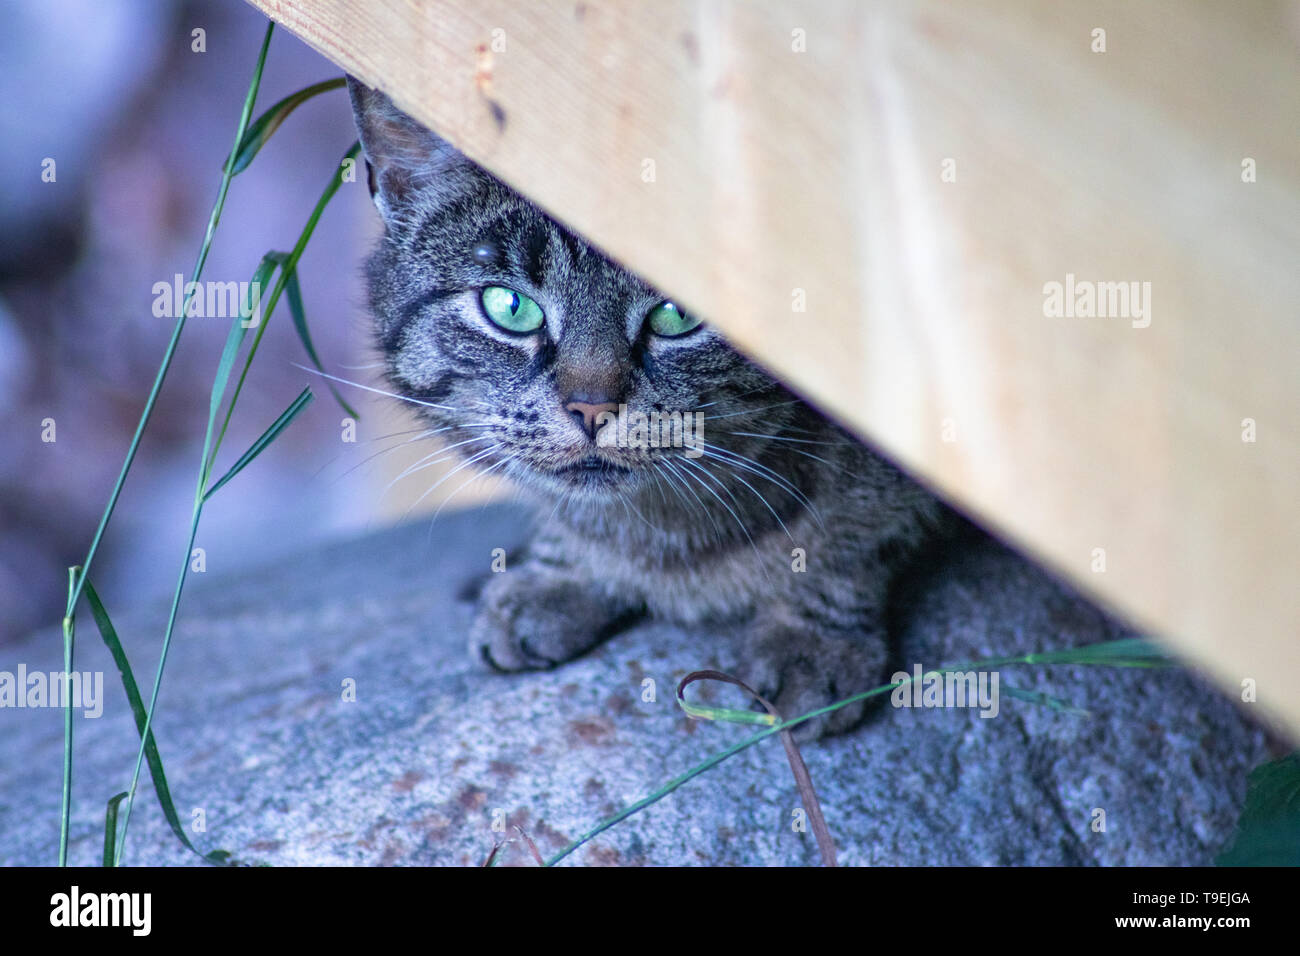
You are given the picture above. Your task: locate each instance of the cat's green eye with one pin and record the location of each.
(512, 310)
(668, 320)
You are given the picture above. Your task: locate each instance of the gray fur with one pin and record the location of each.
(708, 539)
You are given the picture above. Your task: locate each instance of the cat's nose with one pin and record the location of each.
(587, 413)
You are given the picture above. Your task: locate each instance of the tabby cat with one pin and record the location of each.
(529, 351)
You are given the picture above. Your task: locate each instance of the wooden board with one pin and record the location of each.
(874, 198)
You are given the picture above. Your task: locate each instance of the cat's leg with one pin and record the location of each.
(536, 616)
(821, 639)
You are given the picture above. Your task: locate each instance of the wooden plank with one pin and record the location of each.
(756, 157)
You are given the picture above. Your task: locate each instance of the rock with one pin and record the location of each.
(254, 731)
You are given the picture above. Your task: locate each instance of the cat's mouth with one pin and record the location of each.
(593, 471)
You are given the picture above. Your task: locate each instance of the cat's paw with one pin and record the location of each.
(530, 619)
(800, 672)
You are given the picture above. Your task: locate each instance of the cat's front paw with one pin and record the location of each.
(801, 672)
(530, 619)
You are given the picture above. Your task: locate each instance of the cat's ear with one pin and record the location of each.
(406, 162)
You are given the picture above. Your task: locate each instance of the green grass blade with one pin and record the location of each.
(287, 267)
(798, 768)
(109, 634)
(1043, 699)
(195, 273)
(726, 714)
(210, 449)
(65, 813)
(238, 329)
(271, 434)
(209, 454)
(266, 124)
(1127, 652)
(294, 292)
(110, 827)
(69, 614)
(1268, 832)
(265, 269)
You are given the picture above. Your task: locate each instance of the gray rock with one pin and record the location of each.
(254, 731)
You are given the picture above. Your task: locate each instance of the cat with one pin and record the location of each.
(529, 350)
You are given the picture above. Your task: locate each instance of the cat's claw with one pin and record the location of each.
(535, 620)
(799, 674)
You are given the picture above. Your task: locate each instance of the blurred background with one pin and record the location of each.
(138, 124)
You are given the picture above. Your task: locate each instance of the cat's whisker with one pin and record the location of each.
(786, 426)
(696, 465)
(441, 450)
(658, 480)
(734, 398)
(760, 497)
(801, 441)
(472, 478)
(800, 451)
(627, 504)
(693, 465)
(422, 435)
(371, 388)
(464, 464)
(761, 471)
(368, 441)
(818, 458)
(753, 411)
(717, 532)
(443, 453)
(561, 500)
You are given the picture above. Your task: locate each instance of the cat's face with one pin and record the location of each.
(543, 359)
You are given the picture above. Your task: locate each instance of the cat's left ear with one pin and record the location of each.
(407, 163)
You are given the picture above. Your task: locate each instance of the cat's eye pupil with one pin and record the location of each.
(511, 310)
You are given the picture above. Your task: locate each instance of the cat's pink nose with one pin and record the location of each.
(588, 412)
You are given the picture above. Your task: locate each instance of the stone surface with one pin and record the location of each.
(253, 729)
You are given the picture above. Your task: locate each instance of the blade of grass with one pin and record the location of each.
(109, 633)
(802, 778)
(110, 826)
(280, 424)
(1045, 700)
(294, 291)
(238, 329)
(1126, 652)
(195, 273)
(210, 449)
(65, 813)
(266, 124)
(145, 415)
(1268, 831)
(287, 268)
